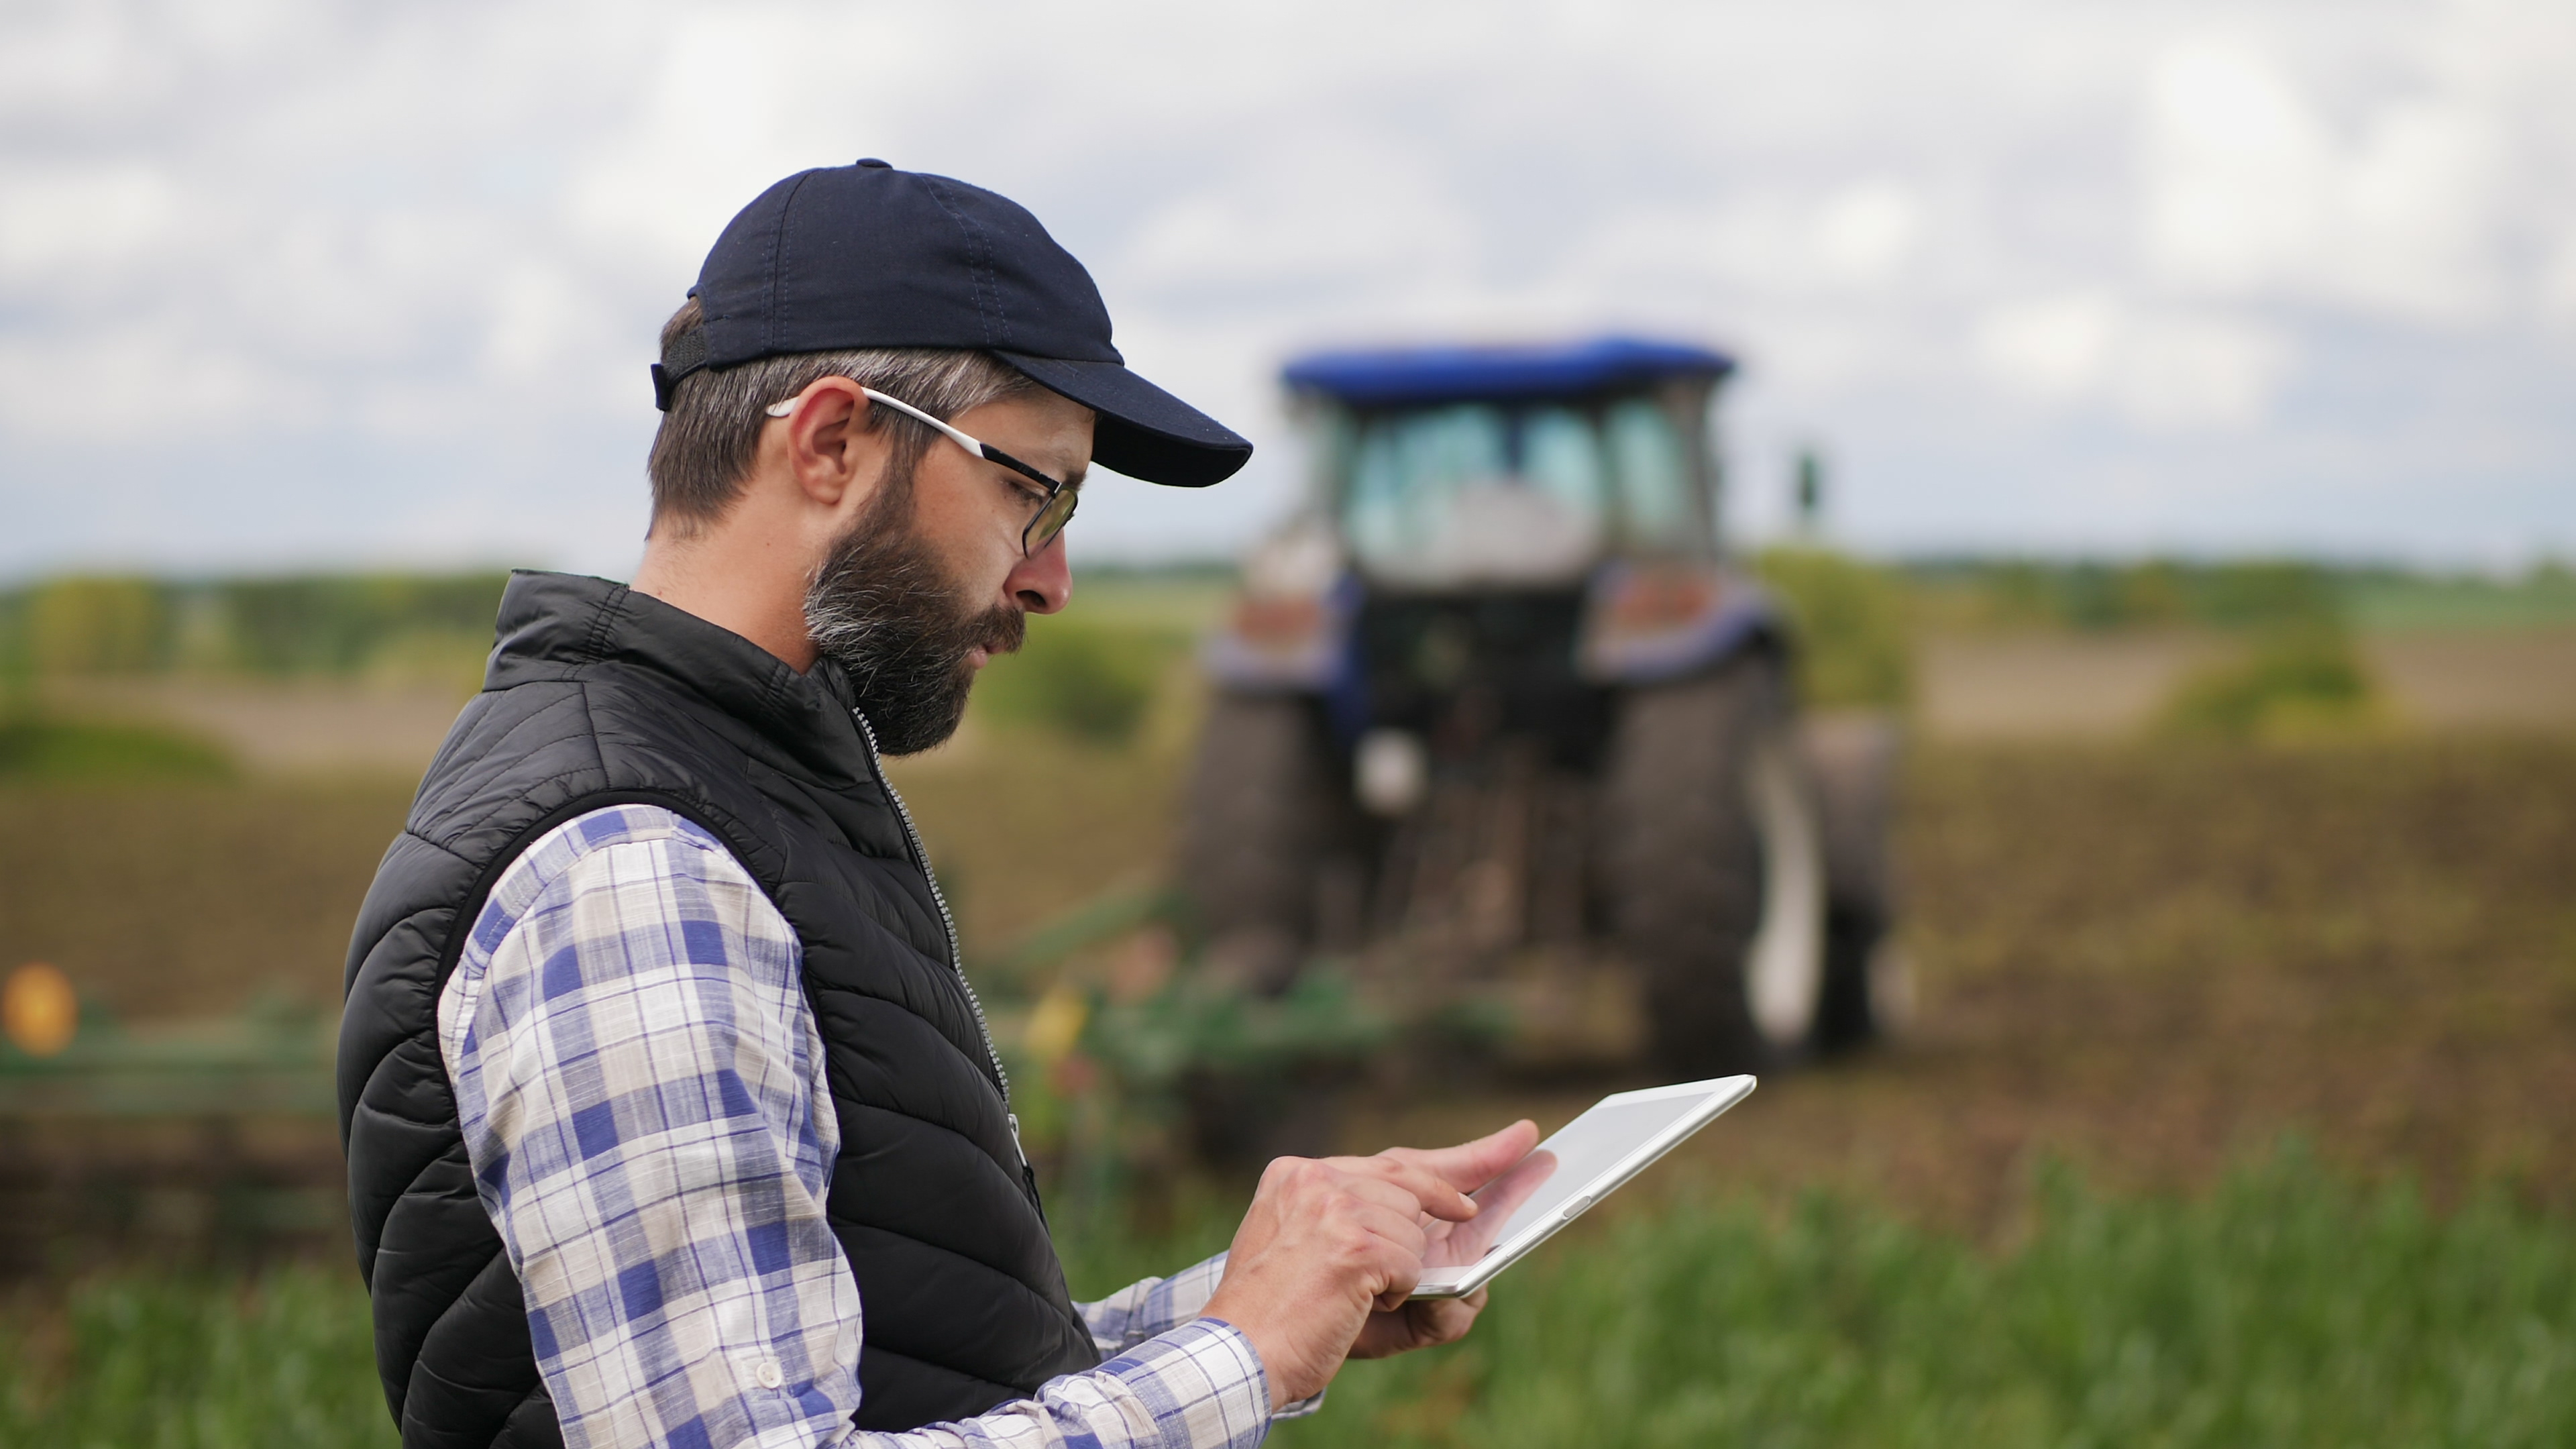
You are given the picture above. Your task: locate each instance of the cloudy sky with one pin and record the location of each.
(295, 282)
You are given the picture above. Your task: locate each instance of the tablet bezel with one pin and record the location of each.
(1721, 1093)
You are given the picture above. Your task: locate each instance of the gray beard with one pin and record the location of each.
(881, 607)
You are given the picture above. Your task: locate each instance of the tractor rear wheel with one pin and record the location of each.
(1869, 986)
(1715, 871)
(1263, 811)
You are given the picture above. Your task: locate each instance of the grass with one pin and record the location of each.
(1853, 649)
(134, 1360)
(1092, 681)
(2543, 597)
(2290, 683)
(58, 751)
(2233, 594)
(2282, 1309)
(2287, 1306)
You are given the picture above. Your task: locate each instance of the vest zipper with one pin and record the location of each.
(947, 922)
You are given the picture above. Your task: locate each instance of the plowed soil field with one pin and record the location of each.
(2147, 958)
(2153, 961)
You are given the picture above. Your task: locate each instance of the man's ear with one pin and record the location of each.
(830, 449)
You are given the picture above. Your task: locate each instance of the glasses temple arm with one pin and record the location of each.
(963, 440)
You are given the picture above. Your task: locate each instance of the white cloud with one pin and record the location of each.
(2200, 371)
(545, 322)
(136, 384)
(2006, 244)
(2160, 370)
(2251, 192)
(2558, 280)
(1329, 211)
(1869, 230)
(2422, 198)
(724, 101)
(2057, 350)
(65, 225)
(2237, 169)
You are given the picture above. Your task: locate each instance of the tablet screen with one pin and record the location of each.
(1580, 1152)
(1565, 1164)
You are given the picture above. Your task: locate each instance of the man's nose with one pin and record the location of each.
(1043, 582)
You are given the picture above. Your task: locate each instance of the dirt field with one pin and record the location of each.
(2520, 678)
(2153, 960)
(2055, 686)
(181, 901)
(323, 727)
(2145, 957)
(2050, 686)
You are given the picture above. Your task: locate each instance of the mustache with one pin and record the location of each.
(1003, 629)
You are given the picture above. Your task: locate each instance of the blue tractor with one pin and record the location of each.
(1494, 714)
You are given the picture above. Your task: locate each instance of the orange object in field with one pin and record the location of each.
(38, 1009)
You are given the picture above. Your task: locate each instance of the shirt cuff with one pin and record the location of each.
(1150, 1306)
(1202, 1383)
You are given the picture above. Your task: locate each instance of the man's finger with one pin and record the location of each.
(1395, 1270)
(1419, 1323)
(1445, 1320)
(1470, 1165)
(1402, 1228)
(1394, 1195)
(1406, 1172)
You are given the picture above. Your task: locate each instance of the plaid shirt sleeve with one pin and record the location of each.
(1139, 1311)
(640, 1082)
(1158, 1306)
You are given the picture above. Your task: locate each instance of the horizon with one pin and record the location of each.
(2546, 568)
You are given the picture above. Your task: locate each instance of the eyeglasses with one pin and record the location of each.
(1053, 513)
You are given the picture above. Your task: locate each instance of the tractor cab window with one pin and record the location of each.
(1657, 486)
(1476, 493)
(1481, 492)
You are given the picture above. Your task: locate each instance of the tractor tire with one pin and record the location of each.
(1714, 870)
(1264, 810)
(1869, 986)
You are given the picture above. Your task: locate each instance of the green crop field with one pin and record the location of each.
(2148, 959)
(2283, 1307)
(2279, 1309)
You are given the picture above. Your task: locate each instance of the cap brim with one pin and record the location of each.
(1143, 431)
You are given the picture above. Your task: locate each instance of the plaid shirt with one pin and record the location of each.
(640, 1081)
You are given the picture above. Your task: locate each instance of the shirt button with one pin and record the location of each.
(768, 1374)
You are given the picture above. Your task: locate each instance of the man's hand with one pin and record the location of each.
(1321, 1266)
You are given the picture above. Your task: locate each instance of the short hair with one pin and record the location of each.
(710, 437)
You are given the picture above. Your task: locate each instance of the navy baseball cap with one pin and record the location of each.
(869, 256)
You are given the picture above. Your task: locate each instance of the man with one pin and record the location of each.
(670, 1116)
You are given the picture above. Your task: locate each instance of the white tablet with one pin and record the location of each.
(1585, 1161)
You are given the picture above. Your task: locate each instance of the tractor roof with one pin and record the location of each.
(1400, 376)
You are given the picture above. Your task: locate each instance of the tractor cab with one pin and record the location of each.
(1518, 467)
(1493, 707)
(1495, 538)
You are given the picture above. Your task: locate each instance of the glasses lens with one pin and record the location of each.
(1050, 521)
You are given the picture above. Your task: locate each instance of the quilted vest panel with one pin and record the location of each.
(597, 696)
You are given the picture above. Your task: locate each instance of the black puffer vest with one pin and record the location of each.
(600, 696)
